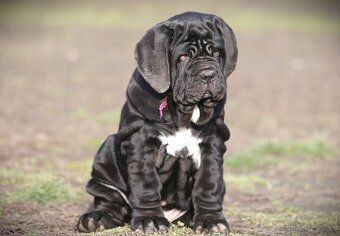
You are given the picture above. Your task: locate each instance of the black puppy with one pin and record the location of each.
(165, 164)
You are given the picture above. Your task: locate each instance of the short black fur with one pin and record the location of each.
(184, 62)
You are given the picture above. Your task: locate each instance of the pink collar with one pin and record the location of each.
(162, 106)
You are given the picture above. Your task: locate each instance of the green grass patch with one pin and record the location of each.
(33, 187)
(43, 191)
(316, 146)
(247, 160)
(256, 20)
(60, 15)
(108, 16)
(114, 231)
(11, 176)
(177, 230)
(293, 219)
(246, 183)
(270, 153)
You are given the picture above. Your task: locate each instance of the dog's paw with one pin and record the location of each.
(212, 227)
(149, 225)
(95, 221)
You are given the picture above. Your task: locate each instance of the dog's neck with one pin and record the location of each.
(161, 108)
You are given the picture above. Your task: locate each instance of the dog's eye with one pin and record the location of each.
(216, 53)
(184, 57)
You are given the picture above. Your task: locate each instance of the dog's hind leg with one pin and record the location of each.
(109, 210)
(110, 207)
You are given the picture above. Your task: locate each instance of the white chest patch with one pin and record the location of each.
(196, 114)
(180, 140)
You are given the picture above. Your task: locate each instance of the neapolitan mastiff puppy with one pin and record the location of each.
(165, 164)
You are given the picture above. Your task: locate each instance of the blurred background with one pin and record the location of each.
(64, 68)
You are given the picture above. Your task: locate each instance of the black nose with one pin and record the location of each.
(207, 75)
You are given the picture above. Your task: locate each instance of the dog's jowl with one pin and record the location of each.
(165, 163)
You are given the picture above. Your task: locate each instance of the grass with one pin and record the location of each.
(316, 146)
(34, 187)
(119, 16)
(247, 183)
(270, 153)
(177, 230)
(293, 219)
(257, 21)
(247, 160)
(43, 191)
(60, 15)
(11, 176)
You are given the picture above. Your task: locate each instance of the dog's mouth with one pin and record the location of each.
(198, 112)
(207, 95)
(207, 100)
(202, 108)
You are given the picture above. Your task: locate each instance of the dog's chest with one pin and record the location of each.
(183, 144)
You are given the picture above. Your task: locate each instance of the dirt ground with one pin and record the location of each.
(63, 74)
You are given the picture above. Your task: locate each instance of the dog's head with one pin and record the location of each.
(191, 54)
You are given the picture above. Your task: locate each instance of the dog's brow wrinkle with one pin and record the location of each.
(199, 44)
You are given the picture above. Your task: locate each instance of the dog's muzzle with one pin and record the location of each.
(207, 75)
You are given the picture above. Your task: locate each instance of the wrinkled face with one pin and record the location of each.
(190, 57)
(197, 73)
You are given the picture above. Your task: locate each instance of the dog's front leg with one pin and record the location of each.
(209, 189)
(145, 185)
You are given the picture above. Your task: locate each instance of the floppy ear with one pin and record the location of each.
(152, 56)
(230, 45)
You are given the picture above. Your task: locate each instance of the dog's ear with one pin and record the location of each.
(230, 45)
(152, 56)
